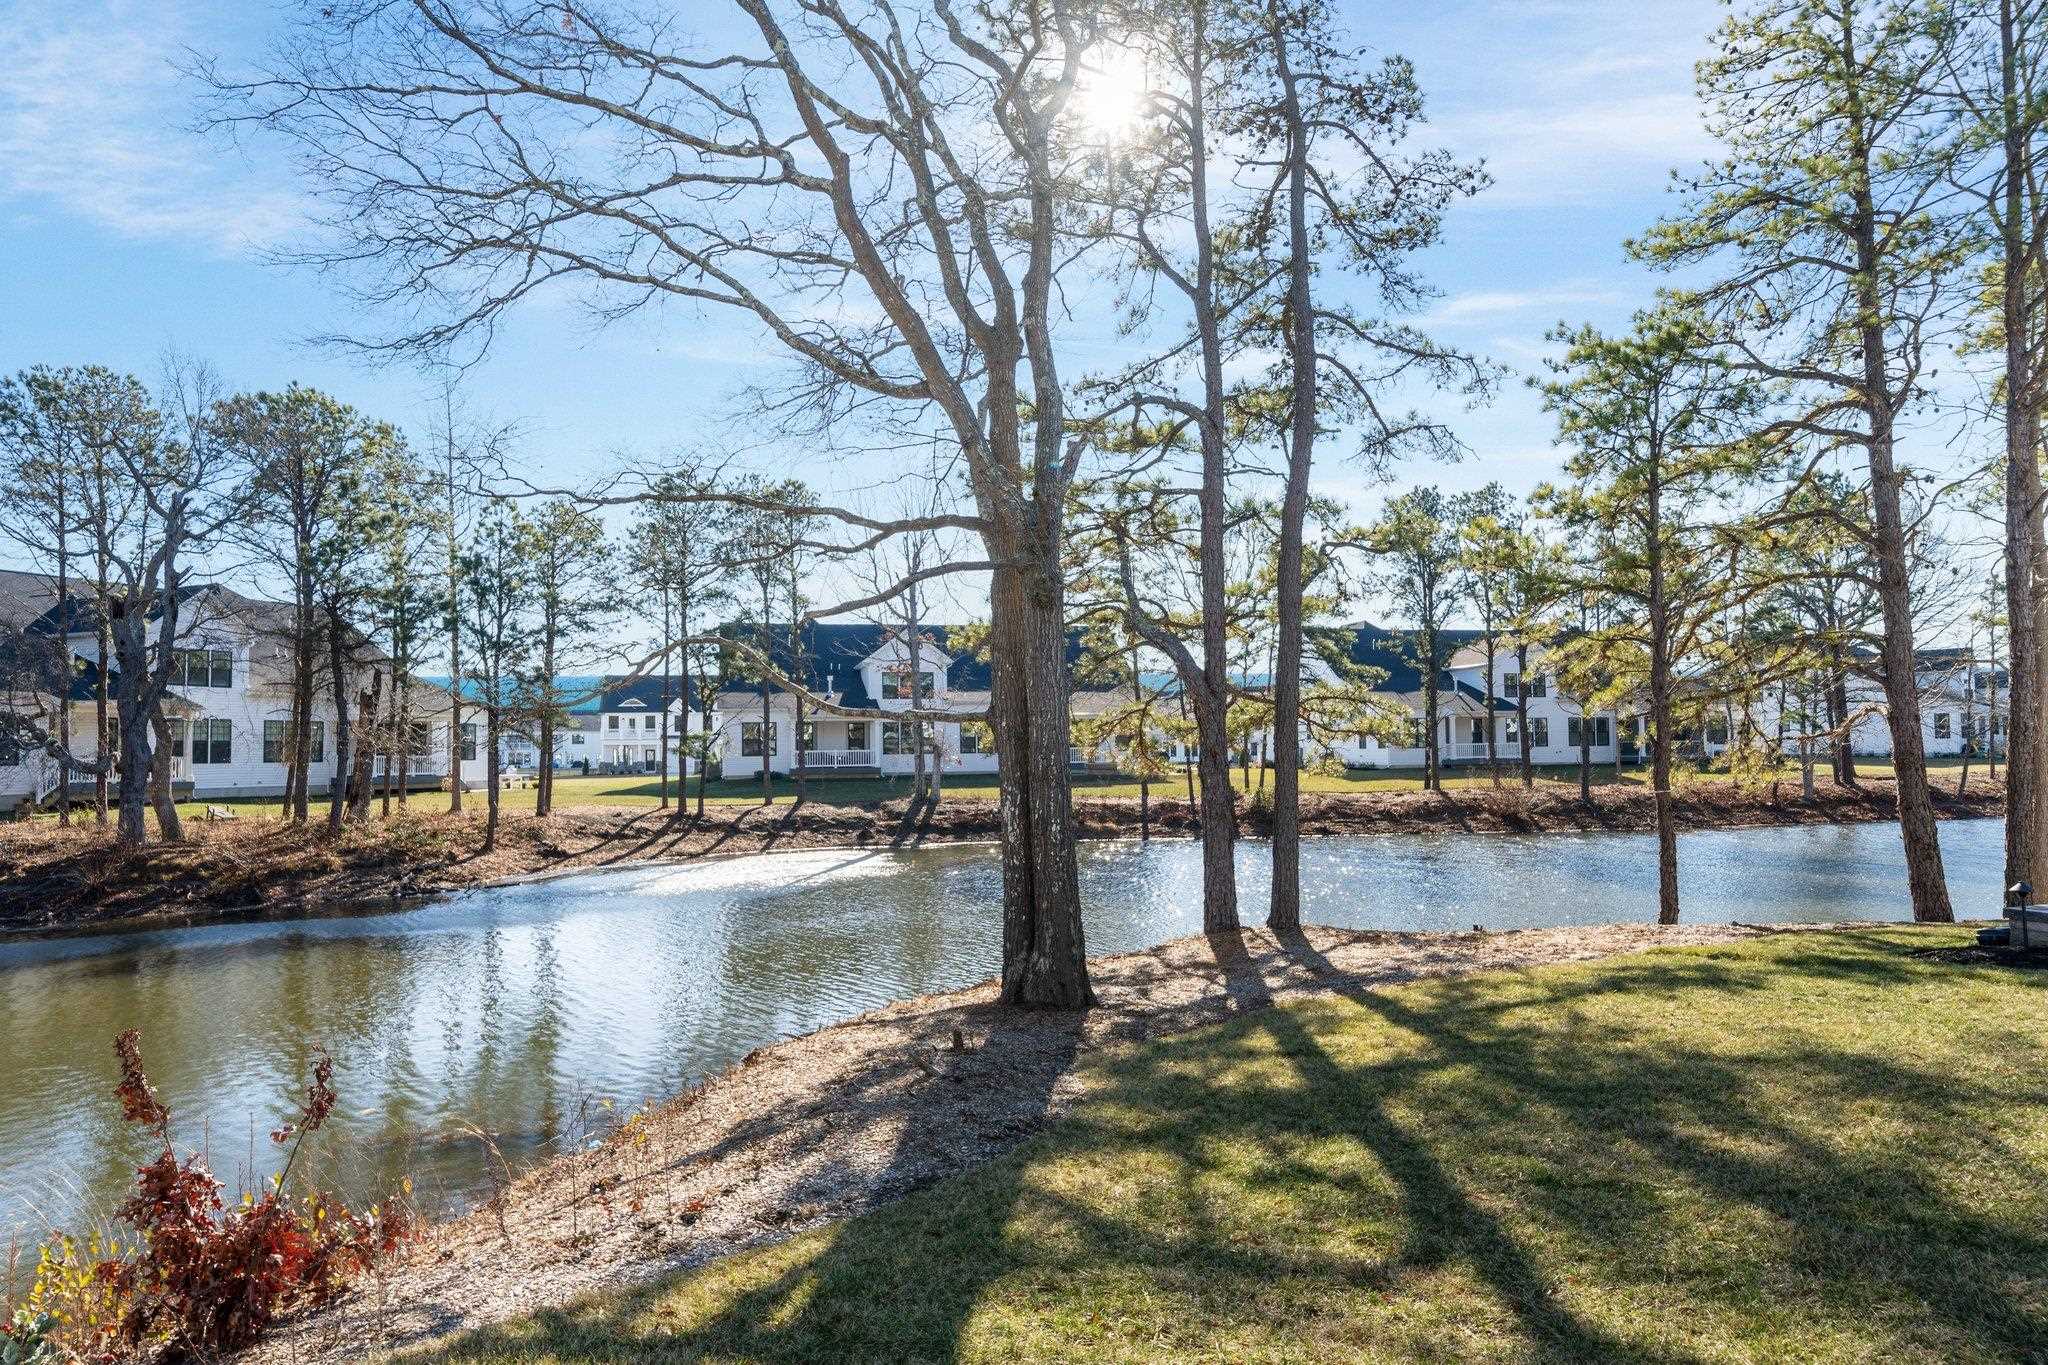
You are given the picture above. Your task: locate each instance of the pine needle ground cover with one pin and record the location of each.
(1801, 1147)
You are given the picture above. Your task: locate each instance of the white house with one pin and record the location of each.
(1963, 704)
(1466, 704)
(230, 700)
(625, 726)
(869, 667)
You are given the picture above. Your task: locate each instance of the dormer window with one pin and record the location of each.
(202, 668)
(896, 684)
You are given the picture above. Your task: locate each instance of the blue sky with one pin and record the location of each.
(123, 233)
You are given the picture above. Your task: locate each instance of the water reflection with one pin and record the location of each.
(518, 1010)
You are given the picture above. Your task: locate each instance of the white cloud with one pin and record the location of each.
(1565, 114)
(1489, 305)
(91, 125)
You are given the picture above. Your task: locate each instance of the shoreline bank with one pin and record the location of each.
(54, 880)
(854, 1116)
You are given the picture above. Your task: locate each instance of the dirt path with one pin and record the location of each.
(828, 1125)
(55, 879)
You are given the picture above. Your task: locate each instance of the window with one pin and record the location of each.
(469, 741)
(10, 748)
(203, 668)
(1539, 732)
(1594, 734)
(213, 742)
(856, 734)
(275, 734)
(898, 736)
(1717, 730)
(1418, 732)
(611, 722)
(1510, 685)
(422, 740)
(576, 738)
(750, 738)
(970, 740)
(649, 723)
(1944, 725)
(896, 684)
(176, 729)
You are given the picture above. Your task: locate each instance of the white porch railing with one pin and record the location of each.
(839, 758)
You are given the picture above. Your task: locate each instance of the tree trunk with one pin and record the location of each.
(363, 755)
(767, 751)
(1492, 725)
(102, 719)
(1660, 711)
(1585, 757)
(344, 732)
(1522, 716)
(65, 658)
(704, 759)
(1218, 812)
(1432, 753)
(796, 739)
(1045, 955)
(491, 772)
(137, 758)
(1924, 874)
(2026, 550)
(1840, 723)
(168, 824)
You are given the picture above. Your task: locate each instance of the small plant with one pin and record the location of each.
(28, 1339)
(204, 1279)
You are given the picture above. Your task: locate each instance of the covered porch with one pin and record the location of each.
(836, 747)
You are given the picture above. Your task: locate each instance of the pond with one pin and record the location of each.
(538, 1013)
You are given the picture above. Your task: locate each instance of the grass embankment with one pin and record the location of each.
(1799, 1147)
(53, 878)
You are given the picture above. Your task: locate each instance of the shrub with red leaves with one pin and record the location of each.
(208, 1280)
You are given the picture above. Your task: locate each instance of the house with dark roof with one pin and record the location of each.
(230, 697)
(865, 667)
(636, 724)
(1471, 702)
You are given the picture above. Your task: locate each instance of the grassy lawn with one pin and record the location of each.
(634, 791)
(1795, 1148)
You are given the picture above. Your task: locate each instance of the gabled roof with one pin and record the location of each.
(618, 692)
(832, 653)
(1398, 655)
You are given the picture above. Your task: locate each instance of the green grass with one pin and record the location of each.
(645, 792)
(1796, 1148)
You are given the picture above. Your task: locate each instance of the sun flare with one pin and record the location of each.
(1109, 98)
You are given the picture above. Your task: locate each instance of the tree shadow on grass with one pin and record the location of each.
(1524, 1167)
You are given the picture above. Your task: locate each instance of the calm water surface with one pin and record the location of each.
(538, 1013)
